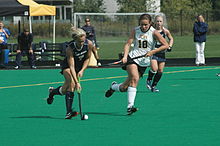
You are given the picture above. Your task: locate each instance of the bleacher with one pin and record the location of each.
(46, 54)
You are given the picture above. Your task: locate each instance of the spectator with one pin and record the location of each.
(25, 40)
(200, 29)
(4, 35)
(91, 35)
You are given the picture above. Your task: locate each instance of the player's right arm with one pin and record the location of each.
(128, 45)
(71, 63)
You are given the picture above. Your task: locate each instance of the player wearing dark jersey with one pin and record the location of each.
(73, 67)
(158, 60)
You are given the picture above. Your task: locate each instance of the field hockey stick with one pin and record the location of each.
(120, 61)
(82, 116)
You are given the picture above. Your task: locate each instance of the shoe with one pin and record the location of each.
(99, 64)
(148, 84)
(33, 67)
(50, 98)
(132, 110)
(16, 67)
(154, 89)
(218, 75)
(71, 114)
(109, 92)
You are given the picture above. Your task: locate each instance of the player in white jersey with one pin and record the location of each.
(144, 38)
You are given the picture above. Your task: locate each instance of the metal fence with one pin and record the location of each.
(181, 23)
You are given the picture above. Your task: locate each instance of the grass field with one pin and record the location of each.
(183, 47)
(184, 113)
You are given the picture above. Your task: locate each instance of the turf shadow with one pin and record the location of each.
(36, 117)
(105, 114)
(199, 79)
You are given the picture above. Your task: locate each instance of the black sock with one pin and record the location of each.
(69, 101)
(157, 78)
(56, 91)
(150, 74)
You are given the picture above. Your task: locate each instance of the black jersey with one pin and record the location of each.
(158, 44)
(160, 54)
(79, 55)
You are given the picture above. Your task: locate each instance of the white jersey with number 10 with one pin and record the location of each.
(143, 42)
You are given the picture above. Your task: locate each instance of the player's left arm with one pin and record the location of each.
(86, 62)
(71, 63)
(170, 37)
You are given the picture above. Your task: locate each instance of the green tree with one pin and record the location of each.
(131, 6)
(187, 6)
(88, 6)
(216, 9)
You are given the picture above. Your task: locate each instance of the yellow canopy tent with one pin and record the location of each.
(36, 9)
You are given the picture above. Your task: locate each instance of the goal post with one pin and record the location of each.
(112, 29)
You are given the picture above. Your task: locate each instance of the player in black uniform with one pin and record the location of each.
(91, 35)
(158, 60)
(74, 65)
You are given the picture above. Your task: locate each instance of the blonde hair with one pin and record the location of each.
(77, 32)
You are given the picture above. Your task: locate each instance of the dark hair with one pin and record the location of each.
(26, 30)
(145, 17)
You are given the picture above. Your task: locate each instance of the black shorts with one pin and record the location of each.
(141, 69)
(160, 57)
(65, 65)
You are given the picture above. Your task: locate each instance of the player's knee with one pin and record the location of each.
(160, 71)
(134, 81)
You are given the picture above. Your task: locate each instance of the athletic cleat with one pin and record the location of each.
(50, 98)
(99, 64)
(132, 110)
(71, 114)
(148, 84)
(218, 75)
(33, 67)
(109, 92)
(154, 89)
(17, 67)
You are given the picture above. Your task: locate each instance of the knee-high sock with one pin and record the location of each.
(157, 78)
(69, 101)
(116, 87)
(151, 74)
(56, 91)
(131, 96)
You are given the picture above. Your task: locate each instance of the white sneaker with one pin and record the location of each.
(16, 67)
(154, 89)
(99, 64)
(33, 67)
